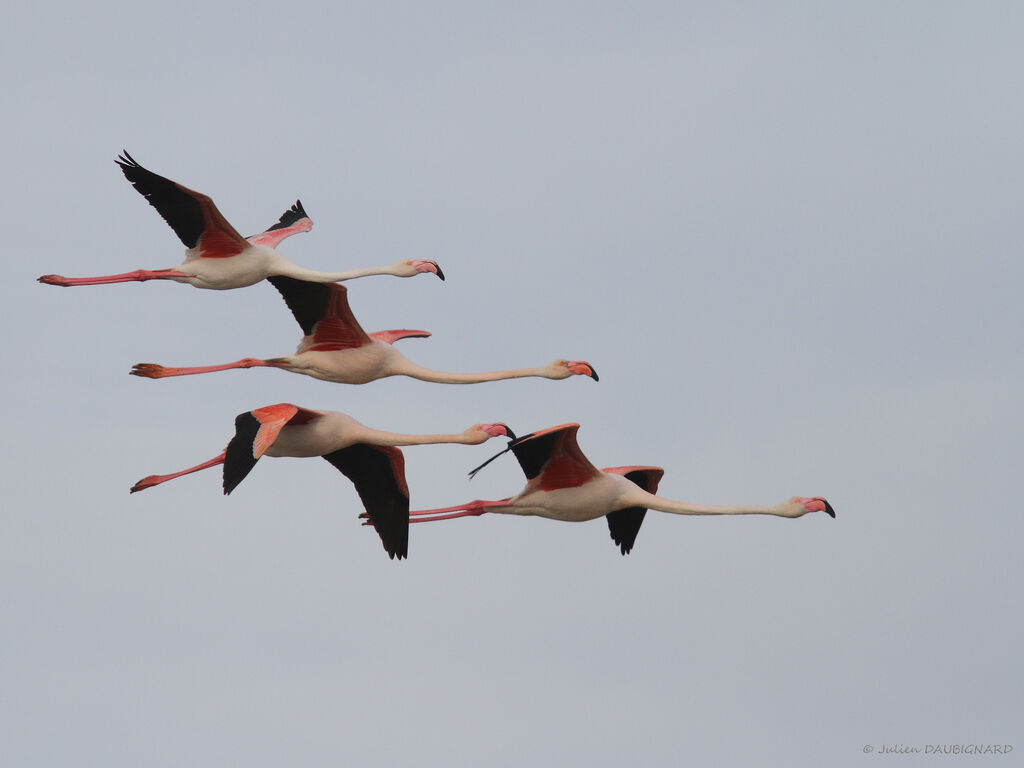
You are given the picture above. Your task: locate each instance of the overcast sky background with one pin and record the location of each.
(787, 239)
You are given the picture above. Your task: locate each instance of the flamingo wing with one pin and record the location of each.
(390, 337)
(552, 459)
(192, 215)
(291, 217)
(624, 524)
(292, 221)
(378, 473)
(255, 432)
(322, 311)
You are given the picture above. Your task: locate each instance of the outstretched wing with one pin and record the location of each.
(378, 473)
(552, 459)
(390, 337)
(255, 431)
(624, 524)
(292, 221)
(192, 215)
(323, 313)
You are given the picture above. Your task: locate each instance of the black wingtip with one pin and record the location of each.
(238, 456)
(230, 483)
(511, 444)
(289, 217)
(397, 550)
(125, 160)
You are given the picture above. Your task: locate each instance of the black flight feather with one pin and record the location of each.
(178, 208)
(371, 471)
(289, 217)
(238, 458)
(307, 301)
(624, 524)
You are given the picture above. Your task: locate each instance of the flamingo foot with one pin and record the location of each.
(55, 280)
(146, 482)
(149, 371)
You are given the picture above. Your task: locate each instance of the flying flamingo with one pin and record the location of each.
(563, 485)
(217, 256)
(336, 348)
(368, 457)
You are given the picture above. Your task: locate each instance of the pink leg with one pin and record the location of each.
(140, 275)
(154, 371)
(472, 509)
(149, 482)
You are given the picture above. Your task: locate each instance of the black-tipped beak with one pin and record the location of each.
(439, 272)
(511, 435)
(828, 510)
(593, 374)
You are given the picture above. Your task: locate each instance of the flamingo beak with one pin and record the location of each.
(583, 368)
(498, 430)
(428, 265)
(818, 504)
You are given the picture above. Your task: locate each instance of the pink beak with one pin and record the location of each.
(425, 265)
(818, 504)
(583, 368)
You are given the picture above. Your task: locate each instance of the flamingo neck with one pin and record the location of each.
(639, 497)
(405, 367)
(315, 276)
(377, 437)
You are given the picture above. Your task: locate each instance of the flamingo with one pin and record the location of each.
(368, 457)
(563, 485)
(336, 348)
(217, 257)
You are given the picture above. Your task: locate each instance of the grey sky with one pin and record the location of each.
(788, 240)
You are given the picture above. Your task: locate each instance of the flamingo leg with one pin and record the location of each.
(470, 509)
(452, 516)
(140, 275)
(149, 482)
(154, 371)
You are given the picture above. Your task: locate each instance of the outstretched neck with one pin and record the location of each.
(288, 269)
(377, 437)
(404, 367)
(639, 497)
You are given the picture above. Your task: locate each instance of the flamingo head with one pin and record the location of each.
(481, 433)
(563, 369)
(413, 267)
(801, 506)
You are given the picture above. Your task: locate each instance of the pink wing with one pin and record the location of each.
(192, 215)
(552, 459)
